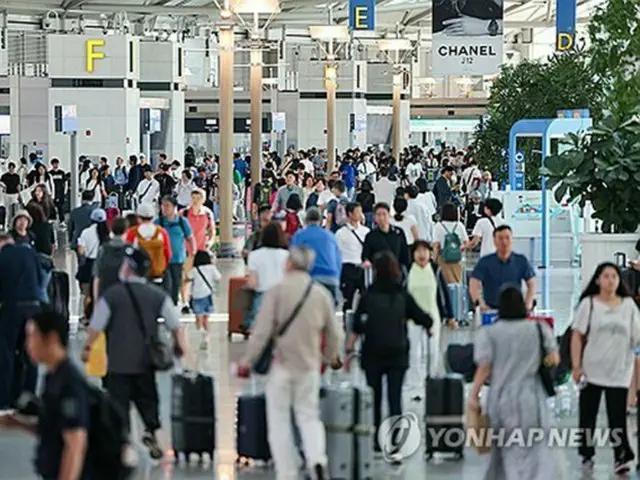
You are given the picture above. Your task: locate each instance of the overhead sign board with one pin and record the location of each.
(566, 11)
(362, 14)
(467, 37)
(65, 118)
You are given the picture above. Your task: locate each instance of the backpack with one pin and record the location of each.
(110, 262)
(340, 216)
(385, 327)
(292, 223)
(264, 195)
(452, 248)
(155, 248)
(107, 438)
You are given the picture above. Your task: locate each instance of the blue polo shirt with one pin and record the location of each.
(496, 274)
(349, 173)
(179, 230)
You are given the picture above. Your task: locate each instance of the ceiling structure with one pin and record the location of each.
(407, 16)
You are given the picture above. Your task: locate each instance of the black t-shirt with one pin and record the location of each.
(59, 179)
(11, 181)
(43, 237)
(65, 406)
(167, 184)
(367, 200)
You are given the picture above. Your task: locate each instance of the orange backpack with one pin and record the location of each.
(155, 248)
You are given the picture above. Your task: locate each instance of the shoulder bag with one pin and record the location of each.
(159, 352)
(263, 364)
(204, 279)
(545, 372)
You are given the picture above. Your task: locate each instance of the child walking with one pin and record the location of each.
(203, 278)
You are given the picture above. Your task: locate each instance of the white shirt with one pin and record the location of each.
(414, 172)
(612, 333)
(199, 288)
(84, 176)
(90, 242)
(325, 197)
(268, 264)
(183, 192)
(471, 178)
(308, 166)
(350, 247)
(429, 200)
(152, 194)
(405, 224)
(366, 170)
(96, 188)
(440, 232)
(385, 191)
(422, 215)
(484, 229)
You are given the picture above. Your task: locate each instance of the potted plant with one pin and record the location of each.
(601, 171)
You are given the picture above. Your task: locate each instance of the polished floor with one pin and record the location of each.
(557, 289)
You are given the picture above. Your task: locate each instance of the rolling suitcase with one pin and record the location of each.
(193, 415)
(459, 359)
(252, 440)
(459, 301)
(58, 291)
(237, 312)
(443, 416)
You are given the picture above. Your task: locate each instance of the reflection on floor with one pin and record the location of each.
(16, 450)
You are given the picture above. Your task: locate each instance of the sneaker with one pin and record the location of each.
(319, 472)
(587, 466)
(150, 441)
(204, 343)
(621, 468)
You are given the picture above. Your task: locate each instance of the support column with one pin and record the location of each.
(330, 83)
(396, 122)
(256, 116)
(227, 248)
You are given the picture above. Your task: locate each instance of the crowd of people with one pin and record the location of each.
(384, 240)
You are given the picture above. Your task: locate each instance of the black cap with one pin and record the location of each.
(138, 259)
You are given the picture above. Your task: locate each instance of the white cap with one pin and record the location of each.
(146, 211)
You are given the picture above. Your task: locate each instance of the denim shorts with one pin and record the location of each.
(202, 306)
(636, 350)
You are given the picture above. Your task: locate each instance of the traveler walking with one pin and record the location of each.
(367, 200)
(131, 375)
(450, 240)
(80, 218)
(350, 240)
(293, 381)
(20, 225)
(606, 330)
(41, 230)
(106, 267)
(59, 194)
(266, 267)
(89, 244)
(204, 277)
(328, 260)
(336, 210)
(148, 191)
(284, 192)
(510, 352)
(495, 271)
(63, 421)
(420, 212)
(184, 189)
(384, 189)
(443, 189)
(381, 317)
(407, 223)
(255, 239)
(180, 234)
(484, 227)
(385, 237)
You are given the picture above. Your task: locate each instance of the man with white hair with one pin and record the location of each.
(294, 377)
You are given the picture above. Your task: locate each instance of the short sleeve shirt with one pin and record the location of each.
(65, 406)
(179, 230)
(484, 229)
(496, 274)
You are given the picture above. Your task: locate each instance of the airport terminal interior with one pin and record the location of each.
(486, 90)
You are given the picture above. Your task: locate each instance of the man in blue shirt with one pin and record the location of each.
(349, 174)
(328, 265)
(337, 208)
(179, 232)
(495, 271)
(241, 166)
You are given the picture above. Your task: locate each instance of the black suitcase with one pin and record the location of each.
(252, 442)
(3, 217)
(443, 416)
(59, 292)
(193, 415)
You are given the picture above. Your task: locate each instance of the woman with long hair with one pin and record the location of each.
(89, 243)
(381, 318)
(41, 229)
(41, 177)
(407, 223)
(41, 196)
(94, 184)
(510, 352)
(605, 333)
(367, 199)
(266, 266)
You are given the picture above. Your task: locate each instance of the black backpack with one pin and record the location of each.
(386, 325)
(110, 263)
(108, 439)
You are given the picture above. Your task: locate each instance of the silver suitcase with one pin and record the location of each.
(337, 410)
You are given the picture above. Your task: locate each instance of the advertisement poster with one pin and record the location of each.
(467, 37)
(523, 211)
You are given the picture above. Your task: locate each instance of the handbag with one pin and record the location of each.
(159, 352)
(263, 363)
(545, 372)
(478, 422)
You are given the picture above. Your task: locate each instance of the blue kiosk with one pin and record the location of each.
(569, 121)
